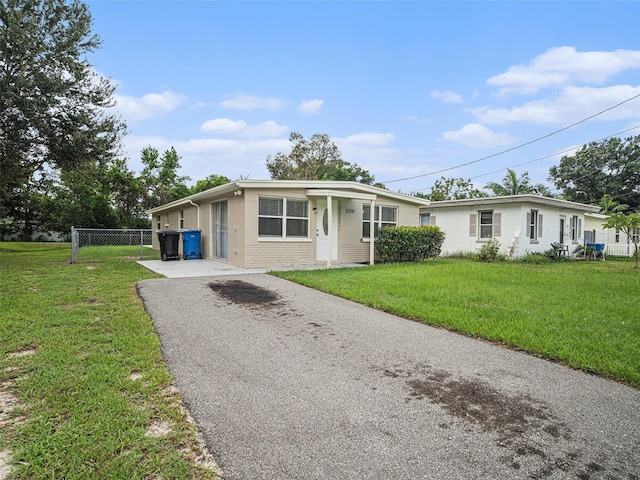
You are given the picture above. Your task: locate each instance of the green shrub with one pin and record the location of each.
(489, 252)
(409, 244)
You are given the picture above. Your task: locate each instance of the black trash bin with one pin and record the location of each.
(191, 244)
(169, 244)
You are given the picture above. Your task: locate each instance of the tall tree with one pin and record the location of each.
(210, 182)
(512, 185)
(454, 189)
(52, 103)
(160, 178)
(315, 159)
(609, 205)
(611, 167)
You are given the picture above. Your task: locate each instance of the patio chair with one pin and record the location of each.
(560, 250)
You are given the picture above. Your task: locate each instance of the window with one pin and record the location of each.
(617, 235)
(575, 224)
(486, 224)
(283, 218)
(489, 222)
(158, 220)
(384, 216)
(425, 219)
(181, 219)
(534, 225)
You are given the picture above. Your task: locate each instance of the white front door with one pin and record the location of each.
(324, 229)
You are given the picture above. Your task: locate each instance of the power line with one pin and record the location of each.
(516, 147)
(554, 154)
(545, 157)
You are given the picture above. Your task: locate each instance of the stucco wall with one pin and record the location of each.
(513, 236)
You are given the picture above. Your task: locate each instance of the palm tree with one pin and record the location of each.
(512, 185)
(609, 205)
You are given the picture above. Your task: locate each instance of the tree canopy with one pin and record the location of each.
(317, 158)
(610, 167)
(454, 189)
(512, 185)
(53, 118)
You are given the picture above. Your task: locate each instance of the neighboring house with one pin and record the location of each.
(520, 223)
(618, 243)
(288, 223)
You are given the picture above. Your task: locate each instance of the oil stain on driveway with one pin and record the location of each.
(286, 382)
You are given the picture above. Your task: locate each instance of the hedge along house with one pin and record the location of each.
(520, 223)
(289, 223)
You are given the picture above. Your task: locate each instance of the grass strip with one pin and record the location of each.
(583, 314)
(90, 394)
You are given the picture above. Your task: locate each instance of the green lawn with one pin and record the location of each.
(83, 382)
(584, 314)
(86, 392)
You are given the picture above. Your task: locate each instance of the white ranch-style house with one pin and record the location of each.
(520, 223)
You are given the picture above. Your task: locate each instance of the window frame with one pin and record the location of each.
(285, 218)
(481, 236)
(378, 219)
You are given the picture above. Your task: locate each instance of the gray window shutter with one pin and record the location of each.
(497, 224)
(473, 221)
(539, 225)
(528, 224)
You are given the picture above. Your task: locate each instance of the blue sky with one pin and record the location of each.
(404, 89)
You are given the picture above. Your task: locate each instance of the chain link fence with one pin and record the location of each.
(130, 237)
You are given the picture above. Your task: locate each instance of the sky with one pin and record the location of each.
(410, 91)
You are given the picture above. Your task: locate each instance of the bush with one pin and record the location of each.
(409, 244)
(489, 252)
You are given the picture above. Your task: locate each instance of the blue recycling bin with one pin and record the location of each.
(191, 244)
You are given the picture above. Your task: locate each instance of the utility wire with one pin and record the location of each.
(545, 157)
(516, 147)
(554, 154)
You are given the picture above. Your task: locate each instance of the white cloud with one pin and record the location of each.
(367, 139)
(563, 66)
(240, 128)
(571, 105)
(447, 96)
(248, 102)
(476, 135)
(223, 126)
(310, 107)
(147, 106)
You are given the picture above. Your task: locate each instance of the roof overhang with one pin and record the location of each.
(313, 188)
(531, 199)
(316, 192)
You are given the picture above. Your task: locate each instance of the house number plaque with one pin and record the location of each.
(350, 211)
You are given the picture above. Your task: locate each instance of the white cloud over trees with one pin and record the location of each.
(150, 105)
(477, 135)
(310, 107)
(562, 66)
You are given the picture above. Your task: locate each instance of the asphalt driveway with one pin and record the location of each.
(286, 382)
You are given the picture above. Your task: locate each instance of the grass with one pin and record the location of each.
(583, 314)
(82, 373)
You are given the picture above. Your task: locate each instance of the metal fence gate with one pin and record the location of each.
(82, 237)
